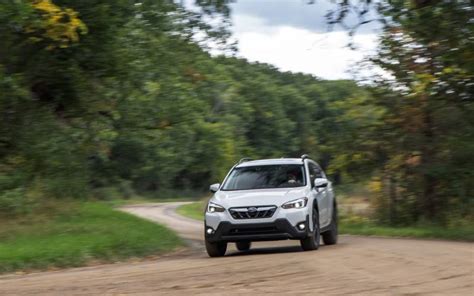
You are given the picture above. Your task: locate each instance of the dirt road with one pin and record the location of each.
(357, 265)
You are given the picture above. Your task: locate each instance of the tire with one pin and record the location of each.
(330, 236)
(216, 249)
(243, 246)
(312, 241)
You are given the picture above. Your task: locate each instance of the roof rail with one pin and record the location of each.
(244, 159)
(304, 156)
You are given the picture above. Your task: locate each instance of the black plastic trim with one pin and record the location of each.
(280, 229)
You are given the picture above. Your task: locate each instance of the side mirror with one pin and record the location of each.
(214, 187)
(320, 183)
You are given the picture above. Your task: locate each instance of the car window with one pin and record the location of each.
(314, 172)
(266, 176)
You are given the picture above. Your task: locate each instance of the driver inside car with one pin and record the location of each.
(292, 180)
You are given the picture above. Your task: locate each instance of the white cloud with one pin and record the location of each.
(299, 50)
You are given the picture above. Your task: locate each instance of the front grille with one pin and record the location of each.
(254, 230)
(256, 212)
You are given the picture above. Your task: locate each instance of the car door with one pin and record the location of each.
(329, 198)
(319, 193)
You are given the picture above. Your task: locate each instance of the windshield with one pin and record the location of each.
(265, 176)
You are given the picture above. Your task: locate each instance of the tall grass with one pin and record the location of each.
(78, 233)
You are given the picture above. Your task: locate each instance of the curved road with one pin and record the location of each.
(357, 265)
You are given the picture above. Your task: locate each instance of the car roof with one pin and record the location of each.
(273, 161)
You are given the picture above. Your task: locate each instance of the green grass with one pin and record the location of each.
(77, 234)
(362, 226)
(193, 210)
(462, 233)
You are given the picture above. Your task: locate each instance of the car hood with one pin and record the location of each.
(259, 197)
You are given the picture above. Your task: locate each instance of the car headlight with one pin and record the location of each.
(296, 204)
(212, 208)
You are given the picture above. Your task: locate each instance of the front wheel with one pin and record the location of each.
(330, 236)
(216, 249)
(312, 241)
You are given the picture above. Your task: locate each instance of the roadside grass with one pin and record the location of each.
(357, 225)
(362, 226)
(193, 210)
(74, 234)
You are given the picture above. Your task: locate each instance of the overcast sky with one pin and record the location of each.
(294, 36)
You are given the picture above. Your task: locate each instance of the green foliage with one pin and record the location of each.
(13, 201)
(134, 101)
(76, 234)
(427, 138)
(124, 95)
(424, 138)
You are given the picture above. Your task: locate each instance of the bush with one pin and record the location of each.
(14, 202)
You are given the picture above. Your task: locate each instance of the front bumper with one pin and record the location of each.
(279, 229)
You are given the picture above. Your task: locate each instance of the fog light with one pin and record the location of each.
(301, 226)
(210, 230)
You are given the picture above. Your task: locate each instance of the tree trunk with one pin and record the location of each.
(428, 152)
(392, 199)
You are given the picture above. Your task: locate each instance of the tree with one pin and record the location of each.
(427, 138)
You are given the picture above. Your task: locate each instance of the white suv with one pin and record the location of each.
(271, 199)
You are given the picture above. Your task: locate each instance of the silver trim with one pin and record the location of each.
(245, 209)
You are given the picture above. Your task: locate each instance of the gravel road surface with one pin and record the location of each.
(356, 266)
